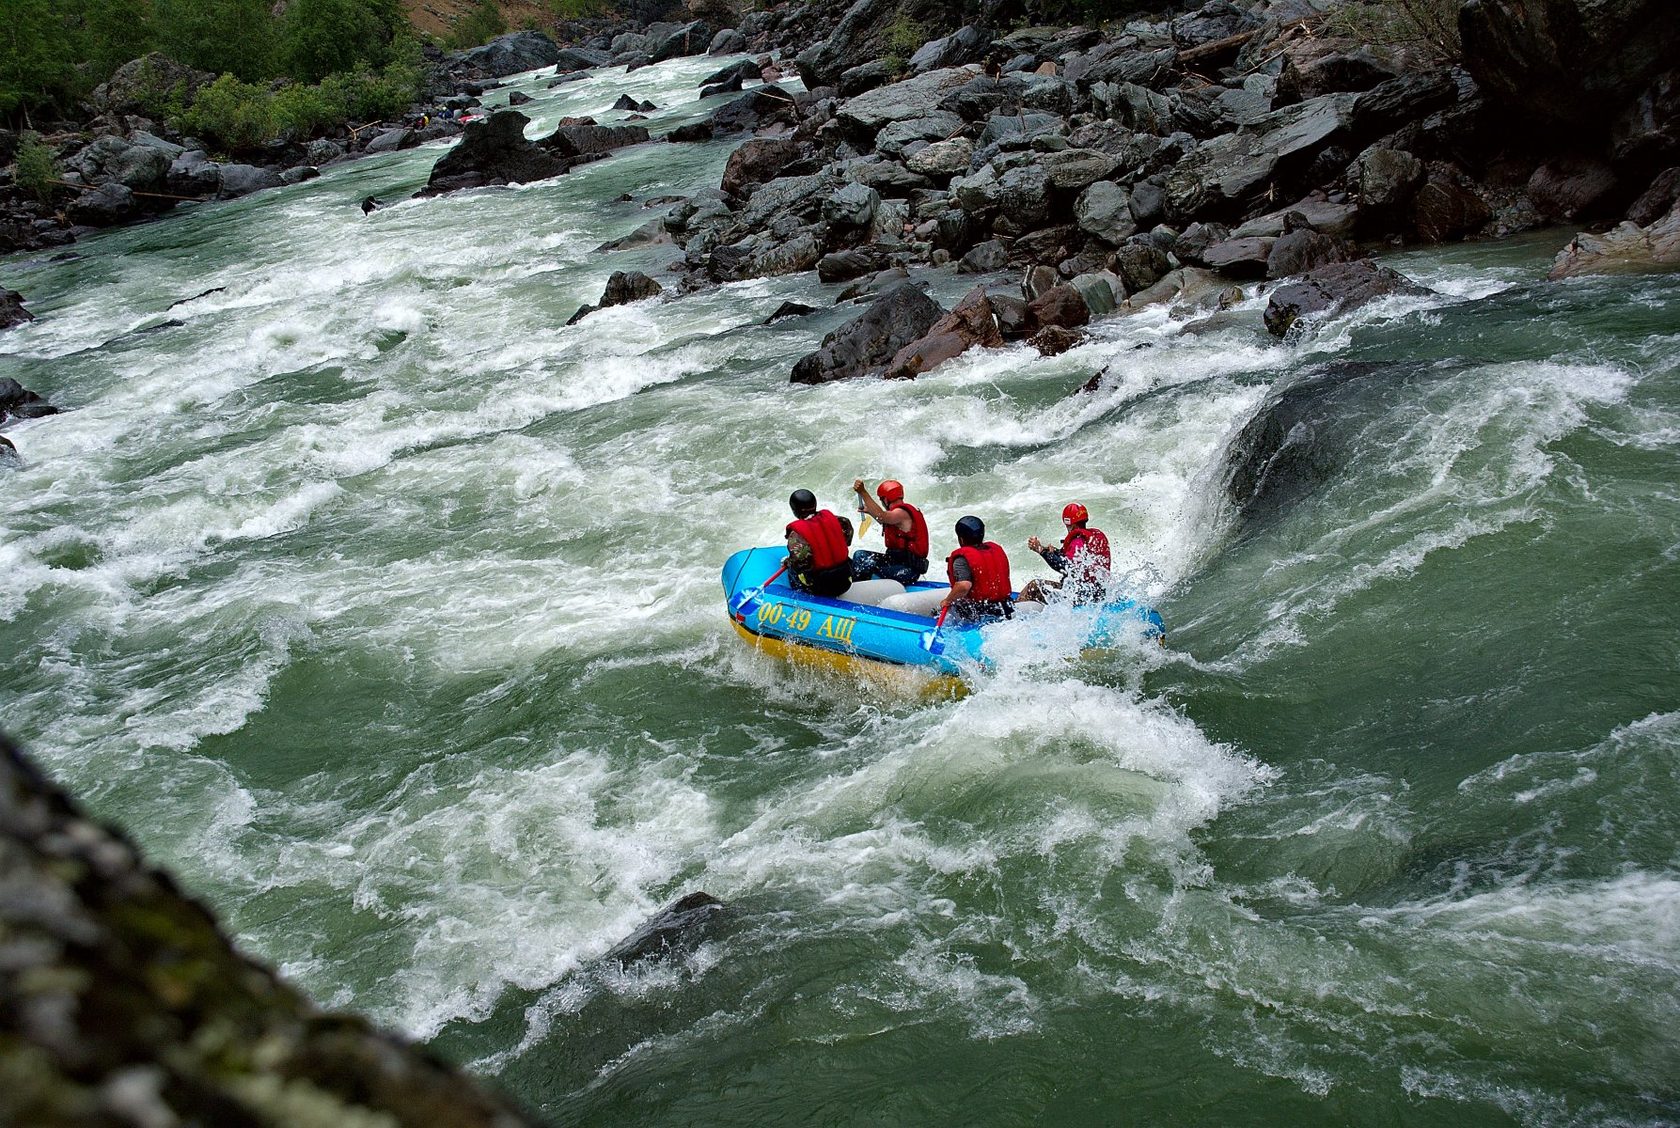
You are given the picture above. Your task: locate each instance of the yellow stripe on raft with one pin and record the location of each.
(889, 676)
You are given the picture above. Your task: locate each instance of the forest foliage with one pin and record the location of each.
(317, 63)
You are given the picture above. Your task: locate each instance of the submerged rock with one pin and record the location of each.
(11, 309)
(1333, 290)
(678, 925)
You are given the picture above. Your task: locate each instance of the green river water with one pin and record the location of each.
(383, 609)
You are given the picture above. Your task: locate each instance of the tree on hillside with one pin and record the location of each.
(38, 61)
(322, 37)
(480, 25)
(222, 36)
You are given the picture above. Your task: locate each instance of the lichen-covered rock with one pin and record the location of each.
(1627, 248)
(130, 1007)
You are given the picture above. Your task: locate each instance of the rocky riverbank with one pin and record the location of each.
(1172, 158)
(124, 1004)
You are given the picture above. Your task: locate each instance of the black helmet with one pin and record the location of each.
(802, 502)
(971, 530)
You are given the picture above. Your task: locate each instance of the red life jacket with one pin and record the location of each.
(1087, 552)
(990, 566)
(915, 542)
(827, 539)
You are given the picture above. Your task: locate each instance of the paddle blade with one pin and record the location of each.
(863, 526)
(747, 601)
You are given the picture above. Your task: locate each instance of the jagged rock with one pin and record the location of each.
(12, 311)
(21, 403)
(1239, 258)
(518, 98)
(1018, 131)
(507, 54)
(494, 151)
(1187, 284)
(297, 174)
(802, 252)
(742, 70)
(125, 998)
(1303, 249)
(756, 162)
(193, 173)
(971, 322)
(390, 140)
(1387, 179)
(1140, 265)
(110, 203)
(984, 259)
(755, 110)
(1037, 281)
(864, 76)
(1014, 320)
(1054, 340)
(730, 85)
(895, 137)
(729, 41)
(1407, 99)
(843, 266)
(691, 38)
(243, 179)
(1230, 171)
(856, 39)
(571, 59)
(1102, 290)
(9, 456)
(1568, 62)
(889, 178)
(1333, 290)
(1072, 170)
(942, 158)
(318, 152)
(851, 206)
(694, 131)
(789, 309)
(869, 341)
(869, 284)
(1446, 205)
(1627, 248)
(1318, 69)
(1104, 210)
(1657, 199)
(965, 45)
(589, 140)
(1570, 186)
(872, 111)
(1060, 305)
(624, 287)
(1024, 196)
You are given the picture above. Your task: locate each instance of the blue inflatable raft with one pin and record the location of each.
(881, 621)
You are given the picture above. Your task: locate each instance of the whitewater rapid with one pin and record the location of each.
(383, 607)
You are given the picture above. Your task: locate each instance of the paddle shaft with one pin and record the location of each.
(750, 596)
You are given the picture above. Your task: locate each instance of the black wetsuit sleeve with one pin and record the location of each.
(1055, 558)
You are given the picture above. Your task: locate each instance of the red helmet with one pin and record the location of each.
(1076, 513)
(890, 492)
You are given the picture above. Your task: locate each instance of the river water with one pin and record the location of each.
(383, 609)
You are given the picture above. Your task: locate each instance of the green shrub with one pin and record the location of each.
(480, 25)
(36, 168)
(578, 9)
(1426, 26)
(904, 37)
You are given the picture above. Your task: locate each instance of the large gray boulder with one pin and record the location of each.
(1104, 210)
(193, 173)
(136, 82)
(938, 125)
(673, 42)
(1074, 169)
(1627, 248)
(243, 179)
(110, 203)
(859, 37)
(867, 343)
(965, 45)
(942, 158)
(1333, 290)
(494, 151)
(1226, 174)
(507, 54)
(872, 111)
